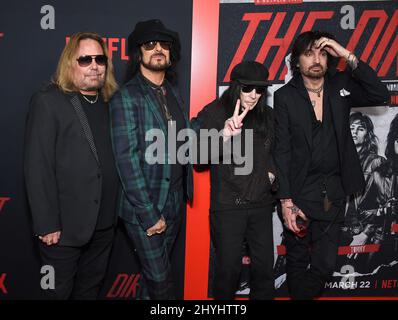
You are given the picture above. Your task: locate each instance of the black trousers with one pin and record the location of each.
(228, 230)
(79, 271)
(311, 260)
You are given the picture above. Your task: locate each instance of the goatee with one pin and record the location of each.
(315, 75)
(155, 67)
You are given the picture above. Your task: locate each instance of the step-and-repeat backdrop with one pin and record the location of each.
(216, 35)
(226, 32)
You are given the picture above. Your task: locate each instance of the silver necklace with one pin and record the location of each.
(317, 90)
(89, 101)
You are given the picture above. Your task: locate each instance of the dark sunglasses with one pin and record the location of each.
(259, 89)
(85, 61)
(150, 45)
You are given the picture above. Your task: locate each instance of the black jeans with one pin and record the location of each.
(228, 230)
(79, 271)
(311, 260)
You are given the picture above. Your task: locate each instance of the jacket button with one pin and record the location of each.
(167, 179)
(99, 175)
(96, 201)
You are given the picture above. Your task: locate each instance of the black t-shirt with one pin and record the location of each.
(324, 171)
(179, 122)
(98, 118)
(171, 111)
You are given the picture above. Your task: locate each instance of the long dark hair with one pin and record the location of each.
(370, 140)
(261, 116)
(391, 138)
(391, 165)
(133, 66)
(305, 41)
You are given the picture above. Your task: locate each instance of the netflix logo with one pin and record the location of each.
(117, 47)
(3, 288)
(125, 286)
(3, 200)
(389, 284)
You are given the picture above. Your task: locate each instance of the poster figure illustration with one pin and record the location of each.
(371, 215)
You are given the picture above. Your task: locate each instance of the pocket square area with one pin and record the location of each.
(344, 92)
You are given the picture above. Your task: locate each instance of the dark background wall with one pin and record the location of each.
(28, 58)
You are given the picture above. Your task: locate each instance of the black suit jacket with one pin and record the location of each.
(62, 173)
(293, 130)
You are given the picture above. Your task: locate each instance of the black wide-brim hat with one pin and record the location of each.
(153, 30)
(250, 73)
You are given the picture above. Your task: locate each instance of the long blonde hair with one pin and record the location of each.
(63, 75)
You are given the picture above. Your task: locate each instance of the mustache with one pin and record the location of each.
(316, 65)
(158, 55)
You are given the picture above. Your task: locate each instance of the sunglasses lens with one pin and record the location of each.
(149, 45)
(101, 60)
(152, 44)
(84, 61)
(260, 90)
(247, 89)
(165, 45)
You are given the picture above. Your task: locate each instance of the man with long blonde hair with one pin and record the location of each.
(70, 175)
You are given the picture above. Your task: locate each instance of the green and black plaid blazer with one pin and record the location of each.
(134, 110)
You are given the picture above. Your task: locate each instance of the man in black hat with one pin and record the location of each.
(315, 155)
(241, 205)
(154, 193)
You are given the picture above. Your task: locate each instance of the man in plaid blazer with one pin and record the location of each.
(153, 193)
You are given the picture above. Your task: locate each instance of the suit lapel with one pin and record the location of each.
(151, 100)
(305, 112)
(85, 125)
(180, 105)
(332, 90)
